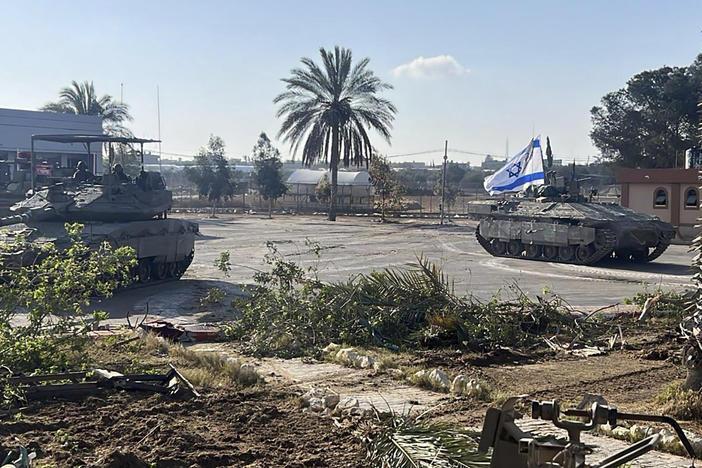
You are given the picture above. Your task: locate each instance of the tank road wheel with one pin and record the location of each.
(160, 270)
(566, 253)
(533, 251)
(640, 256)
(583, 253)
(550, 252)
(143, 270)
(498, 247)
(623, 255)
(514, 248)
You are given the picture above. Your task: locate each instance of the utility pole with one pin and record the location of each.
(443, 181)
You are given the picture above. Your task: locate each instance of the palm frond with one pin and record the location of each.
(80, 98)
(404, 442)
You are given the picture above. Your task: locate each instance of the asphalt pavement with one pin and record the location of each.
(355, 245)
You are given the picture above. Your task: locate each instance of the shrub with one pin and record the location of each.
(291, 313)
(42, 304)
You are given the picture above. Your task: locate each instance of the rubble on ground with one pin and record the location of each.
(349, 357)
(325, 402)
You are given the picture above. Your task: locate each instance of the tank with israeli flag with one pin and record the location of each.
(557, 222)
(522, 170)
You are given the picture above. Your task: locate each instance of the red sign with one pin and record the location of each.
(43, 169)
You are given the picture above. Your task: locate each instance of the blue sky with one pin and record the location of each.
(490, 70)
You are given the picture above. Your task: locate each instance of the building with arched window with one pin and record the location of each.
(671, 194)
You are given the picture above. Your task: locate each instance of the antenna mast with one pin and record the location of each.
(158, 112)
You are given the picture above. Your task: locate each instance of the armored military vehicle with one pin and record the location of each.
(555, 223)
(122, 213)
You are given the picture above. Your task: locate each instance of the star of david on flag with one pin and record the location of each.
(522, 170)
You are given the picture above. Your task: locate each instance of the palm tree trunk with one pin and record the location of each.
(334, 166)
(382, 211)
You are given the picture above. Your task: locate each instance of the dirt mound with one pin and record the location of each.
(237, 428)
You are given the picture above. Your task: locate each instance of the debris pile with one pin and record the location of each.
(181, 332)
(35, 387)
(20, 457)
(325, 402)
(349, 357)
(291, 313)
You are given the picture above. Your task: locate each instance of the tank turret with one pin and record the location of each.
(109, 201)
(112, 209)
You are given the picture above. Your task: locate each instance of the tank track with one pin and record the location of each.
(172, 271)
(607, 241)
(658, 251)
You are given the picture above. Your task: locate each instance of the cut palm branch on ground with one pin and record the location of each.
(291, 313)
(407, 442)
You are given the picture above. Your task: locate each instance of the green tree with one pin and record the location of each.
(454, 176)
(650, 122)
(267, 175)
(81, 98)
(52, 290)
(385, 183)
(328, 111)
(417, 181)
(322, 191)
(211, 173)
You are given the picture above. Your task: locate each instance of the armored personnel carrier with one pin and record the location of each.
(122, 213)
(555, 223)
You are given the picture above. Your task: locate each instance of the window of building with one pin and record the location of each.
(660, 198)
(691, 198)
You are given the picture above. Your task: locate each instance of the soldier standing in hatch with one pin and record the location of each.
(82, 174)
(118, 172)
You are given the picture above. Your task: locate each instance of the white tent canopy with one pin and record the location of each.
(314, 176)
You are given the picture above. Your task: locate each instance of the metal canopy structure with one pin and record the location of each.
(87, 140)
(77, 138)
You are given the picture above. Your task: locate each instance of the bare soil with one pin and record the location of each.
(264, 426)
(252, 428)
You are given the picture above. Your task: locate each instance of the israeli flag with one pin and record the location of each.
(522, 170)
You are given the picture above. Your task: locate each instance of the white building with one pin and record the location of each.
(54, 160)
(353, 188)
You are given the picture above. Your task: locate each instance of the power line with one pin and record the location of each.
(418, 153)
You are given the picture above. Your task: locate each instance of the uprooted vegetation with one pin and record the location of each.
(681, 403)
(651, 300)
(43, 320)
(408, 441)
(290, 312)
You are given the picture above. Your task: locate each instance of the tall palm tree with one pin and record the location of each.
(329, 109)
(80, 98)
